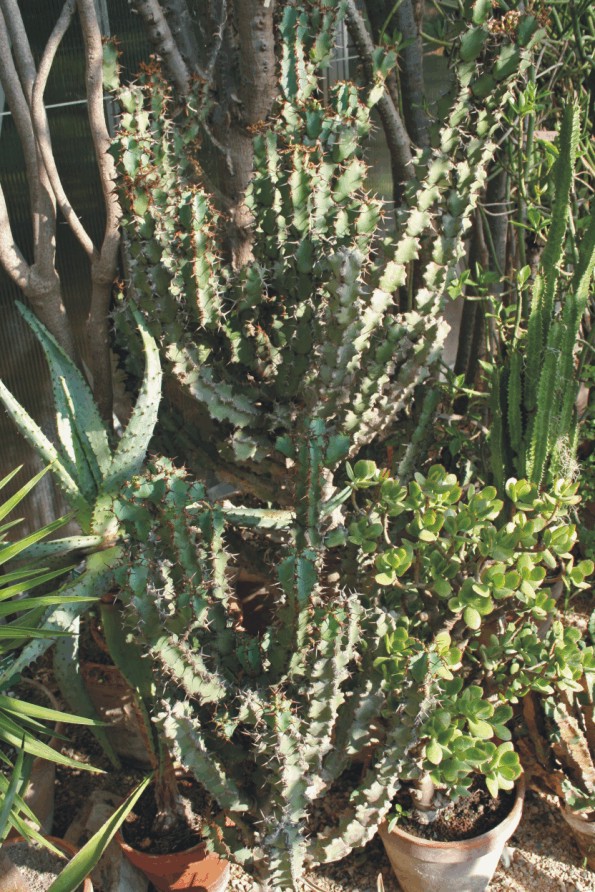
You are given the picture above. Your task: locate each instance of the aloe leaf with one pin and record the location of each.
(65, 547)
(84, 861)
(131, 450)
(87, 420)
(46, 450)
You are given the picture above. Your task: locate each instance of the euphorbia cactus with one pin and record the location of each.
(330, 320)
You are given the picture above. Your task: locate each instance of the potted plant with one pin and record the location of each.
(560, 750)
(292, 363)
(468, 575)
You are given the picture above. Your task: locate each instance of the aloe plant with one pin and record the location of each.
(90, 471)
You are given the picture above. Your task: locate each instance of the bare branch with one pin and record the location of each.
(182, 30)
(397, 137)
(20, 45)
(104, 262)
(211, 36)
(408, 21)
(160, 34)
(42, 130)
(17, 102)
(10, 257)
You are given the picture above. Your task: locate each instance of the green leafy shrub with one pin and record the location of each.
(469, 584)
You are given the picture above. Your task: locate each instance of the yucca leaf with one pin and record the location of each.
(132, 448)
(85, 860)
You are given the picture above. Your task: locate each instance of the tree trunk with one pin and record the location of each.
(244, 89)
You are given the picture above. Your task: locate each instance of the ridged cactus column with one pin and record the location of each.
(312, 326)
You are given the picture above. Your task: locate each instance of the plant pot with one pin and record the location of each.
(425, 865)
(584, 834)
(115, 702)
(194, 870)
(66, 847)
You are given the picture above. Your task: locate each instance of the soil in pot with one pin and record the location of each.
(466, 864)
(175, 859)
(469, 817)
(138, 829)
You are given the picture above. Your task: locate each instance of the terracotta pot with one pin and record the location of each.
(194, 870)
(584, 833)
(66, 847)
(425, 865)
(115, 702)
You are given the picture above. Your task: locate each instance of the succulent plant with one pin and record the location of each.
(461, 572)
(534, 392)
(328, 320)
(90, 471)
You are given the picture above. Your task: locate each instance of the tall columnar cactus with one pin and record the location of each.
(534, 393)
(318, 325)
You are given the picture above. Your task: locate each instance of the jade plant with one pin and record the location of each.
(471, 577)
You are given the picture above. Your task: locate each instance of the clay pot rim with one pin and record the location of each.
(156, 857)
(512, 819)
(67, 847)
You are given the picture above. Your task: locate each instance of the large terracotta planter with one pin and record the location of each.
(194, 870)
(66, 847)
(425, 865)
(583, 831)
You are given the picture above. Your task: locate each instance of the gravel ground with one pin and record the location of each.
(542, 857)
